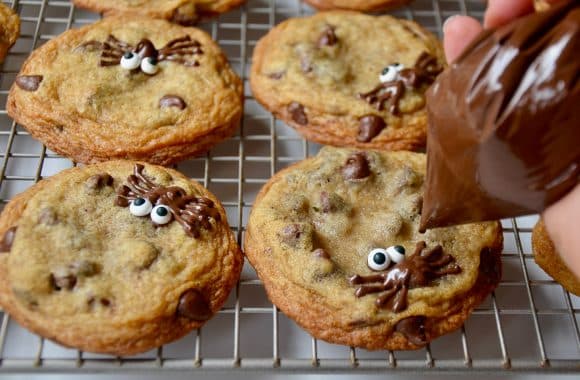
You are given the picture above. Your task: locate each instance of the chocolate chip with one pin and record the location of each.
(291, 233)
(296, 111)
(172, 101)
(185, 16)
(277, 75)
(105, 302)
(369, 127)
(325, 202)
(356, 167)
(98, 181)
(193, 305)
(414, 329)
(60, 282)
(29, 82)
(331, 202)
(47, 217)
(321, 253)
(328, 37)
(8, 239)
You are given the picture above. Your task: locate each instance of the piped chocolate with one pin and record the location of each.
(503, 136)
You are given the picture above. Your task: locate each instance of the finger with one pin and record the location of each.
(458, 32)
(500, 12)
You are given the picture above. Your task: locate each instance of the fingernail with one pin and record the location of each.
(447, 21)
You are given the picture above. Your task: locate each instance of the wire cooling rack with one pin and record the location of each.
(529, 324)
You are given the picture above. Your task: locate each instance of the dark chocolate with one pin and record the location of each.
(8, 239)
(192, 212)
(369, 127)
(413, 328)
(321, 253)
(328, 37)
(356, 167)
(193, 305)
(423, 73)
(64, 282)
(290, 234)
(297, 113)
(29, 82)
(503, 136)
(416, 271)
(172, 101)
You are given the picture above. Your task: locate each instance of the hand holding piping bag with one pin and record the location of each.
(562, 213)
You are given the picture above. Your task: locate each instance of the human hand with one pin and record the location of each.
(563, 217)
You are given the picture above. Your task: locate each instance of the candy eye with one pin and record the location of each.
(140, 207)
(396, 253)
(390, 72)
(130, 61)
(378, 259)
(161, 215)
(149, 66)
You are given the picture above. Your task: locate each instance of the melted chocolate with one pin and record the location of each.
(503, 136)
(193, 213)
(29, 82)
(423, 73)
(113, 49)
(369, 127)
(172, 101)
(328, 37)
(413, 328)
(416, 271)
(193, 305)
(297, 113)
(356, 167)
(8, 239)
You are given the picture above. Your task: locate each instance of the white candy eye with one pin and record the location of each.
(161, 215)
(130, 61)
(396, 253)
(140, 207)
(149, 66)
(390, 72)
(378, 259)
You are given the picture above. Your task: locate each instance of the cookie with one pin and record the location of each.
(117, 257)
(335, 240)
(549, 260)
(185, 12)
(356, 5)
(128, 88)
(348, 79)
(9, 29)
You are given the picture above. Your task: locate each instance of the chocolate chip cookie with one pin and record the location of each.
(356, 5)
(185, 12)
(9, 29)
(549, 260)
(118, 257)
(335, 240)
(348, 79)
(128, 88)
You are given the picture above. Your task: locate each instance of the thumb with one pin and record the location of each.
(458, 32)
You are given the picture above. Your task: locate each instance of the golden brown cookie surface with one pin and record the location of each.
(185, 12)
(348, 79)
(549, 260)
(128, 88)
(9, 29)
(335, 240)
(356, 5)
(116, 257)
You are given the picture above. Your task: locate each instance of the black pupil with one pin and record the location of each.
(379, 258)
(152, 60)
(162, 211)
(386, 70)
(128, 55)
(139, 202)
(395, 64)
(400, 249)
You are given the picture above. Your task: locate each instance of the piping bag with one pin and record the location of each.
(504, 122)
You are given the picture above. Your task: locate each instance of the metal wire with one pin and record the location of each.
(528, 324)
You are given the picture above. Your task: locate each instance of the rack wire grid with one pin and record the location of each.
(529, 324)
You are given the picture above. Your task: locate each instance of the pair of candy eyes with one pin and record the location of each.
(160, 214)
(132, 61)
(391, 72)
(380, 259)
